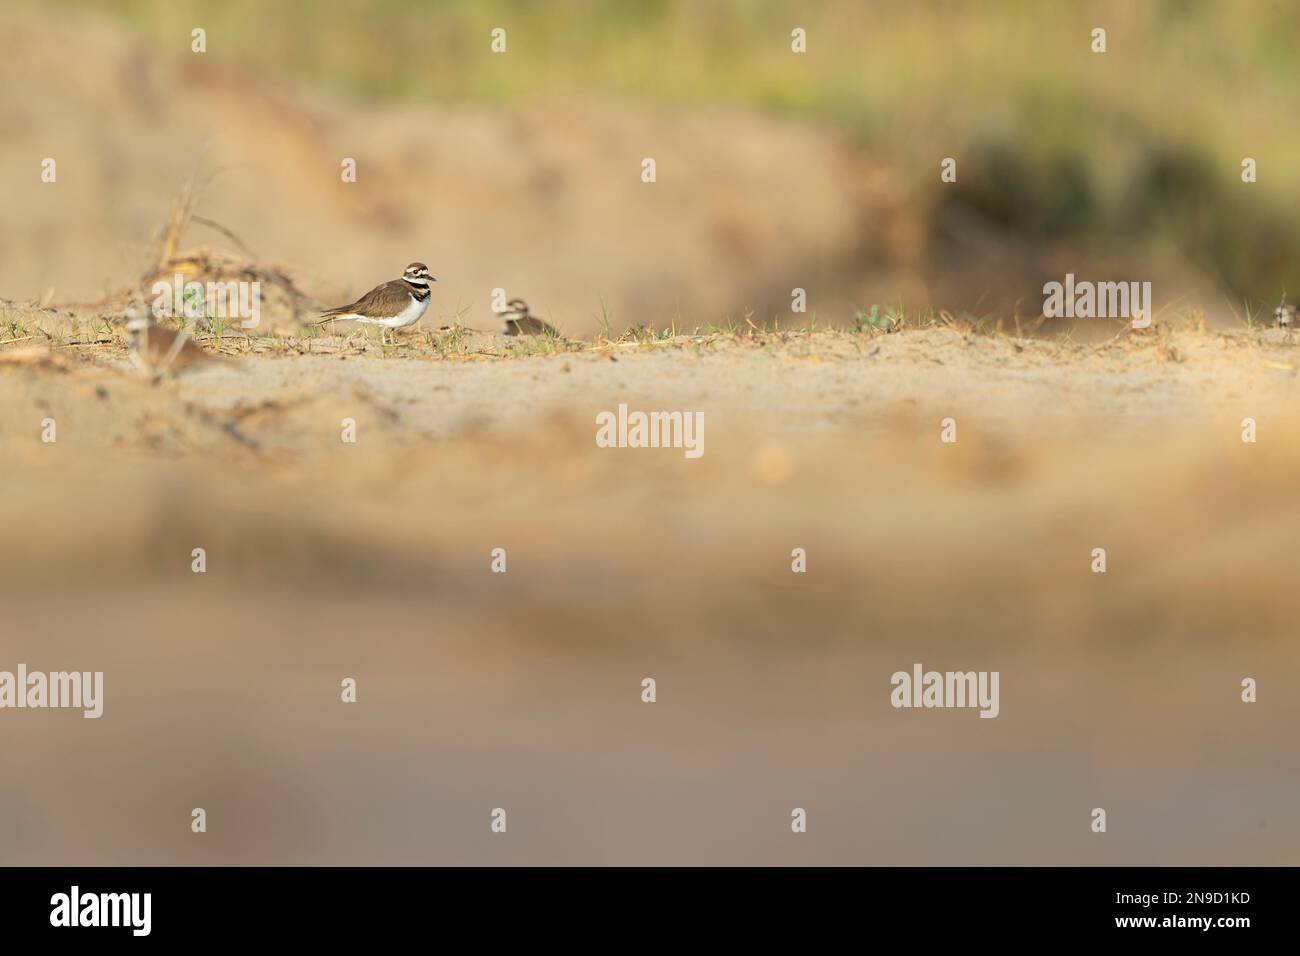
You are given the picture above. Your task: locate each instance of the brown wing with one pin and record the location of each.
(156, 345)
(529, 325)
(383, 300)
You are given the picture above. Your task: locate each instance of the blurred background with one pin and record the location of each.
(775, 170)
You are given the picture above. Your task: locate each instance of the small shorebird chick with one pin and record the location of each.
(156, 351)
(519, 321)
(1285, 315)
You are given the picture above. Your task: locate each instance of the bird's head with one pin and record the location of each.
(418, 273)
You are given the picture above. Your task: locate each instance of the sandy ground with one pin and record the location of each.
(522, 690)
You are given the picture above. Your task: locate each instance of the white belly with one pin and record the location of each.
(408, 316)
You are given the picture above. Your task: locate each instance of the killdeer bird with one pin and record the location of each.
(156, 351)
(519, 321)
(1285, 315)
(393, 305)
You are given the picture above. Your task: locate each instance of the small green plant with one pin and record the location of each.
(190, 298)
(218, 327)
(877, 321)
(606, 320)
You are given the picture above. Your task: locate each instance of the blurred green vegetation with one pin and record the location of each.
(1142, 143)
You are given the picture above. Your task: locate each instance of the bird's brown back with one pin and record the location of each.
(529, 325)
(382, 301)
(155, 343)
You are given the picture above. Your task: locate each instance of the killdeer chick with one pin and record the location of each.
(1285, 315)
(156, 351)
(393, 305)
(519, 321)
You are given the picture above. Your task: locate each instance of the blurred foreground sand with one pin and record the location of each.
(521, 691)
